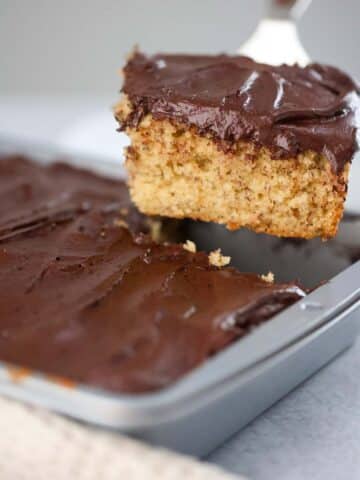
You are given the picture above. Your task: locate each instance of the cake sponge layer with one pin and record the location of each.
(175, 172)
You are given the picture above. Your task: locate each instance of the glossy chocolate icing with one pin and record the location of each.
(288, 109)
(84, 297)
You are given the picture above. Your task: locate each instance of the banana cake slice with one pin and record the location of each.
(225, 139)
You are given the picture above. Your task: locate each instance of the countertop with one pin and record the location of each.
(312, 433)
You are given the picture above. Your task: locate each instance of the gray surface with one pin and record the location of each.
(314, 432)
(78, 45)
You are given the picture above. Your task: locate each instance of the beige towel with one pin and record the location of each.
(39, 445)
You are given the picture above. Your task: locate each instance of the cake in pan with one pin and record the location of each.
(225, 139)
(86, 294)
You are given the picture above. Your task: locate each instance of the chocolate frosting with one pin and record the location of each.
(288, 109)
(84, 297)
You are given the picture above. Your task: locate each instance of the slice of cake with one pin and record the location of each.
(226, 139)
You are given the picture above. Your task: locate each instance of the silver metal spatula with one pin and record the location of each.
(275, 39)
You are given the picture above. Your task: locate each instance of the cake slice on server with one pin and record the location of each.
(225, 139)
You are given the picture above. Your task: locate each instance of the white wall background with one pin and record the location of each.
(71, 46)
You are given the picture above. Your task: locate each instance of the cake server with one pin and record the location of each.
(275, 39)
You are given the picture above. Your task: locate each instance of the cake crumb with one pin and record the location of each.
(155, 229)
(217, 259)
(189, 246)
(228, 323)
(269, 278)
(119, 222)
(124, 211)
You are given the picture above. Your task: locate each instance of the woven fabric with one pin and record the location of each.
(39, 445)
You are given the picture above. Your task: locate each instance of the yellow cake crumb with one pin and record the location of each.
(119, 222)
(155, 226)
(217, 259)
(189, 246)
(269, 278)
(124, 211)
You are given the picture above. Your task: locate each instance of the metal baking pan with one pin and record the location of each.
(217, 399)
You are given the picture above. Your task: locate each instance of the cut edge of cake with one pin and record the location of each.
(176, 172)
